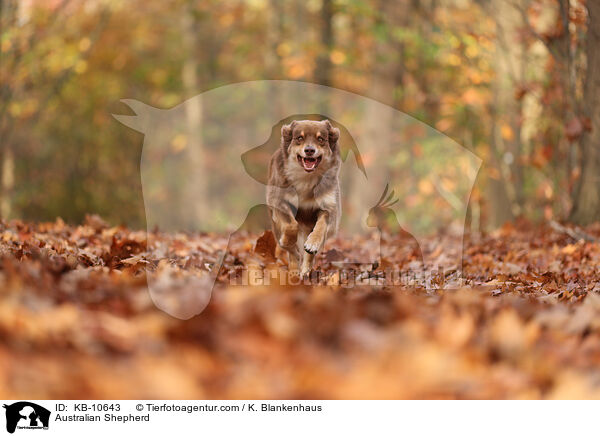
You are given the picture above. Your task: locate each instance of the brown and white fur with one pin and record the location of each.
(303, 193)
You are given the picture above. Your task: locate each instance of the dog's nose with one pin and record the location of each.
(309, 151)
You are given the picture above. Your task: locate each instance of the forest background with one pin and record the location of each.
(514, 81)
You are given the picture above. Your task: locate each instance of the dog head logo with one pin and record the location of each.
(204, 168)
(26, 415)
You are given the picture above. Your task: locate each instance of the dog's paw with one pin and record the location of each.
(311, 248)
(312, 244)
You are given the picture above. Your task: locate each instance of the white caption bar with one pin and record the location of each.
(298, 417)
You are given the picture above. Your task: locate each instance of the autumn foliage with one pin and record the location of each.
(77, 321)
(513, 82)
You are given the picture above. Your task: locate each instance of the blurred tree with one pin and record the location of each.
(586, 208)
(323, 68)
(386, 17)
(191, 87)
(323, 63)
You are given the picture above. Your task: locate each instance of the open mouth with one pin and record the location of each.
(309, 163)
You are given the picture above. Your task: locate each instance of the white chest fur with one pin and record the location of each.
(304, 185)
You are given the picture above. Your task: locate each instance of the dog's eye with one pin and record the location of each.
(299, 138)
(320, 138)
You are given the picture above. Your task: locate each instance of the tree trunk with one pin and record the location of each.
(323, 67)
(377, 126)
(193, 114)
(273, 61)
(9, 12)
(8, 182)
(586, 202)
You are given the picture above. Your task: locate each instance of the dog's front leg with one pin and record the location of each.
(314, 242)
(286, 230)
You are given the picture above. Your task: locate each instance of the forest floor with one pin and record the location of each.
(77, 320)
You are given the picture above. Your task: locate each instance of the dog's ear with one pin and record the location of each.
(334, 135)
(286, 135)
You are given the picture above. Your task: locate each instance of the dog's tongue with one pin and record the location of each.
(309, 163)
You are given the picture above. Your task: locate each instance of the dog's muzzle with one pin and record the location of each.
(309, 163)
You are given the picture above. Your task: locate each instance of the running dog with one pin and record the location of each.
(303, 193)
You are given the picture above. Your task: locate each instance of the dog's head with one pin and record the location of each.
(310, 144)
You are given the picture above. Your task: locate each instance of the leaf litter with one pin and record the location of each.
(77, 320)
